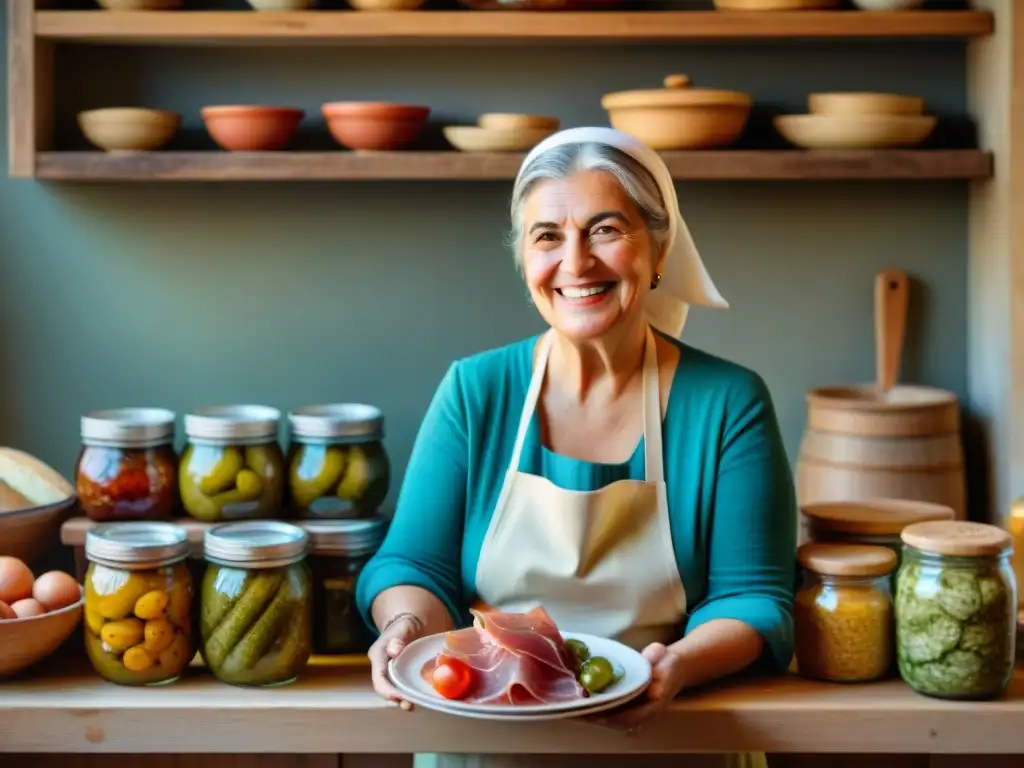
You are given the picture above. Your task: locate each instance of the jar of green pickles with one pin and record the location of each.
(337, 466)
(232, 467)
(338, 551)
(956, 610)
(256, 603)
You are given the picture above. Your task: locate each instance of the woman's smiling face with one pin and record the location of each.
(587, 257)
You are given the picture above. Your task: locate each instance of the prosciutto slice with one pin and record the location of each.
(517, 658)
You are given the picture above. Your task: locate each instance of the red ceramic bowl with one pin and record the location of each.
(244, 128)
(374, 125)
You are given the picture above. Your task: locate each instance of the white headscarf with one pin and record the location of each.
(684, 279)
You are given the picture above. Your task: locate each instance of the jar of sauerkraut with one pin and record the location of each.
(843, 612)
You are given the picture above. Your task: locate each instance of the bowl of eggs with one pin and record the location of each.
(37, 614)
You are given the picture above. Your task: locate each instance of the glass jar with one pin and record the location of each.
(337, 467)
(877, 522)
(138, 602)
(256, 603)
(956, 610)
(338, 551)
(843, 613)
(127, 468)
(232, 467)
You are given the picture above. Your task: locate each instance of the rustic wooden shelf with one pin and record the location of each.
(65, 707)
(325, 27)
(360, 166)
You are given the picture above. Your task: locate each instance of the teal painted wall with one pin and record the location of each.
(185, 294)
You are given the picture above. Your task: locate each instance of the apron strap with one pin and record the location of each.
(654, 469)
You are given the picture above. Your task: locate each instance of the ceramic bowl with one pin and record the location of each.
(28, 534)
(140, 5)
(540, 5)
(24, 642)
(511, 121)
(386, 5)
(888, 5)
(248, 128)
(128, 129)
(854, 131)
(864, 103)
(374, 125)
(475, 138)
(281, 5)
(775, 5)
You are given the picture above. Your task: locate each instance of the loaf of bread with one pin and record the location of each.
(30, 481)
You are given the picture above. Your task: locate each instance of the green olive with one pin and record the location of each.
(578, 649)
(596, 674)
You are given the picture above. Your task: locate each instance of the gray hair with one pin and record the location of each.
(564, 160)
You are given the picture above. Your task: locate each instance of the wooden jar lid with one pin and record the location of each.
(878, 517)
(846, 559)
(957, 538)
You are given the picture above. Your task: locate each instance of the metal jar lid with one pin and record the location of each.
(128, 427)
(338, 421)
(136, 546)
(255, 544)
(233, 422)
(350, 538)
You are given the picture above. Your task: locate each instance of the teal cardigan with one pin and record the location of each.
(730, 490)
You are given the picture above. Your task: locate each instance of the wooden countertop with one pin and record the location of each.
(67, 708)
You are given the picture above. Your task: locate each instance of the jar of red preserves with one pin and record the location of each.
(127, 468)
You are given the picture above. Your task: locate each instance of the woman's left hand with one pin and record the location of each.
(667, 678)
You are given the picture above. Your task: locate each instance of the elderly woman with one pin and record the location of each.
(634, 486)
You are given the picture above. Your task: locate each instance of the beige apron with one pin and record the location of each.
(600, 562)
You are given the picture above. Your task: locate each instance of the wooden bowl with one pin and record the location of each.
(854, 131)
(281, 5)
(386, 5)
(28, 534)
(140, 5)
(775, 5)
(678, 116)
(513, 121)
(24, 642)
(128, 129)
(475, 138)
(374, 125)
(864, 103)
(247, 128)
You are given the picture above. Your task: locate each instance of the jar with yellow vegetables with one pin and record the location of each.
(843, 613)
(138, 602)
(256, 603)
(232, 467)
(337, 466)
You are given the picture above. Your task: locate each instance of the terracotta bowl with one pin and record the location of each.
(373, 125)
(140, 5)
(864, 103)
(24, 642)
(245, 128)
(30, 533)
(128, 129)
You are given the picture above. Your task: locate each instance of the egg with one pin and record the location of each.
(55, 590)
(28, 608)
(6, 612)
(15, 580)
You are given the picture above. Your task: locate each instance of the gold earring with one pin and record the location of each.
(655, 281)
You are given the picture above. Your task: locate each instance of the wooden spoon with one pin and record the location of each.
(892, 296)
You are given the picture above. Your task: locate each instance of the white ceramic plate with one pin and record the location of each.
(405, 673)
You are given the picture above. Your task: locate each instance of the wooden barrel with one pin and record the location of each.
(861, 444)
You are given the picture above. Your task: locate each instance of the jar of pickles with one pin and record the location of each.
(956, 610)
(232, 467)
(338, 551)
(337, 467)
(843, 612)
(138, 602)
(256, 603)
(876, 522)
(127, 468)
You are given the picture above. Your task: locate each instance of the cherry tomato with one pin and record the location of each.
(452, 678)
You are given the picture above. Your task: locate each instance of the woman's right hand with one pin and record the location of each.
(392, 641)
